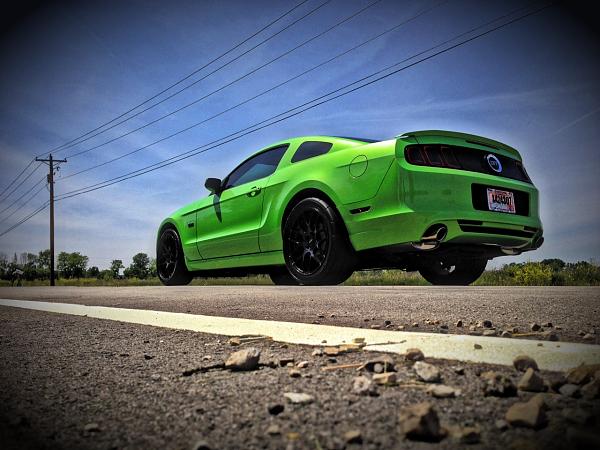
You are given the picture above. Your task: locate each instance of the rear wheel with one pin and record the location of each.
(453, 271)
(315, 246)
(170, 264)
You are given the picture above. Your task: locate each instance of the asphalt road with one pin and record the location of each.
(78, 382)
(573, 311)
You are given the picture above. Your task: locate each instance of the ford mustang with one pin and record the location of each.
(311, 210)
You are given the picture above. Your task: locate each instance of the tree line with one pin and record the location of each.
(31, 266)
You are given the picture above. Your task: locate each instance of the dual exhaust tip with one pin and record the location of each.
(432, 237)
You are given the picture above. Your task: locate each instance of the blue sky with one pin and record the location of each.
(72, 66)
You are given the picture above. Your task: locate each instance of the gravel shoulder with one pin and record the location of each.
(574, 312)
(76, 382)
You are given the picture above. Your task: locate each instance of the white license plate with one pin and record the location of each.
(501, 201)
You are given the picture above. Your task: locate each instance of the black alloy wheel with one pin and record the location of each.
(170, 264)
(315, 246)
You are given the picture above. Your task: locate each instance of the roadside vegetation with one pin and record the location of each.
(29, 269)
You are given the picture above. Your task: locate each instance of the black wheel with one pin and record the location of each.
(316, 248)
(453, 271)
(170, 265)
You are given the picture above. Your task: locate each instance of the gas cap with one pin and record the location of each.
(358, 166)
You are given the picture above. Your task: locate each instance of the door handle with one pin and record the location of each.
(254, 191)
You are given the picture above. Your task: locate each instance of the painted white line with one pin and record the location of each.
(495, 350)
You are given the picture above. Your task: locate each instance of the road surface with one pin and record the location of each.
(80, 382)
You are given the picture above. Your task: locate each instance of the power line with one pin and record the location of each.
(235, 47)
(21, 183)
(194, 82)
(17, 177)
(25, 219)
(339, 55)
(23, 195)
(194, 102)
(197, 150)
(31, 197)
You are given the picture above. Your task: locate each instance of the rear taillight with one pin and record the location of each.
(432, 155)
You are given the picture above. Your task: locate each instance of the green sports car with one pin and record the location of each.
(311, 210)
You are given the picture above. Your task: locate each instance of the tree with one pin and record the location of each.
(152, 268)
(115, 266)
(140, 266)
(554, 263)
(72, 265)
(92, 272)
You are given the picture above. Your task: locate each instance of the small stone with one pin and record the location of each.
(294, 373)
(353, 437)
(582, 374)
(317, 352)
(569, 390)
(591, 390)
(303, 364)
(524, 362)
(528, 415)
(91, 428)
(332, 316)
(588, 337)
(442, 391)
(558, 327)
(358, 340)
(298, 398)
(386, 378)
(498, 385)
(364, 386)
(506, 334)
(554, 381)
(458, 324)
(477, 346)
(375, 327)
(246, 359)
(321, 316)
(273, 430)
(531, 382)
(415, 325)
(400, 327)
(420, 422)
(535, 326)
(201, 445)
(414, 354)
(444, 327)
(275, 409)
(234, 341)
(484, 324)
(155, 377)
(547, 324)
(387, 322)
(467, 435)
(331, 351)
(427, 372)
(514, 330)
(458, 370)
(501, 425)
(551, 335)
(148, 357)
(581, 333)
(489, 333)
(381, 364)
(284, 361)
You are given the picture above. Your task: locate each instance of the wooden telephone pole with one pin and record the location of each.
(50, 161)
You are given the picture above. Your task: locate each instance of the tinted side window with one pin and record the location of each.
(310, 149)
(259, 166)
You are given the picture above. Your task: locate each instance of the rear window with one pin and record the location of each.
(310, 149)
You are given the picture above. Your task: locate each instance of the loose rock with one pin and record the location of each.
(427, 372)
(467, 435)
(489, 333)
(442, 391)
(484, 324)
(588, 337)
(569, 390)
(501, 424)
(383, 363)
(317, 352)
(458, 324)
(246, 359)
(591, 390)
(234, 341)
(535, 326)
(299, 398)
(414, 354)
(364, 386)
(582, 374)
(477, 346)
(528, 415)
(524, 362)
(551, 335)
(294, 373)
(91, 428)
(273, 430)
(283, 362)
(531, 382)
(506, 334)
(275, 409)
(498, 385)
(303, 364)
(353, 437)
(420, 422)
(385, 378)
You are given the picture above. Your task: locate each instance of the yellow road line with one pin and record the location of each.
(494, 350)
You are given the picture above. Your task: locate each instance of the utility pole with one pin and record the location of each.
(50, 161)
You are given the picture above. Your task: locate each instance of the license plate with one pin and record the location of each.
(501, 201)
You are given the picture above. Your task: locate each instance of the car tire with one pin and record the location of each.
(170, 263)
(457, 272)
(316, 247)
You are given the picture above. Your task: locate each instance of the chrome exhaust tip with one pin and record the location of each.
(432, 237)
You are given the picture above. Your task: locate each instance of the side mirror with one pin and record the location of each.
(213, 185)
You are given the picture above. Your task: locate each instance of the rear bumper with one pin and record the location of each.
(414, 198)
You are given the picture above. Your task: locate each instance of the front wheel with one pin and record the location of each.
(457, 272)
(316, 248)
(170, 264)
